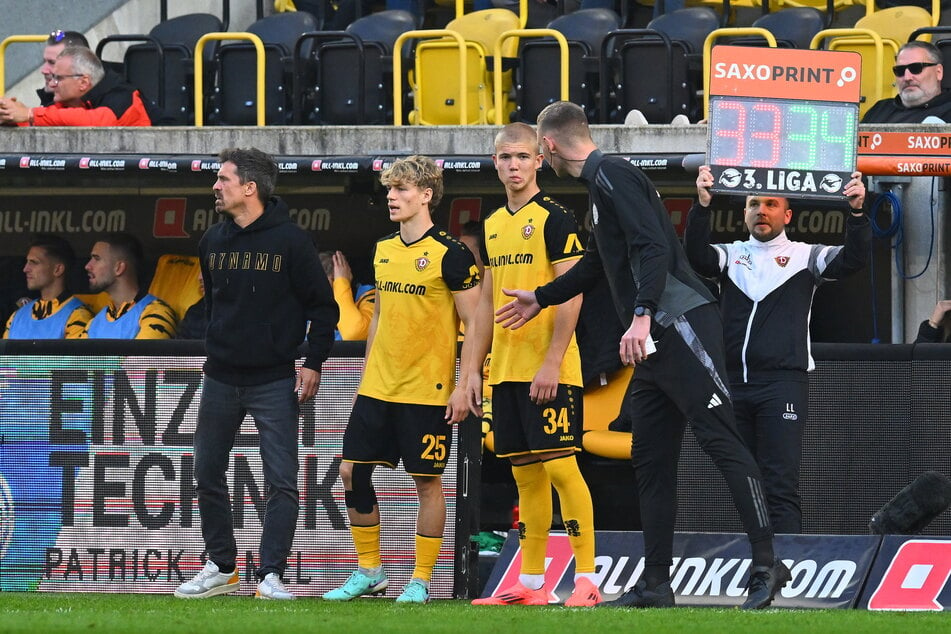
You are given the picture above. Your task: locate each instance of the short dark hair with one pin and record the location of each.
(56, 248)
(126, 247)
(327, 261)
(472, 228)
(69, 38)
(564, 121)
(255, 166)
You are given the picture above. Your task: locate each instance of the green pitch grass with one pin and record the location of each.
(50, 613)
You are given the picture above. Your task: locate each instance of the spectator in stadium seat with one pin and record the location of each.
(55, 43)
(195, 321)
(114, 266)
(535, 373)
(356, 301)
(84, 94)
(257, 318)
(937, 328)
(408, 401)
(918, 73)
(57, 313)
(767, 284)
(634, 245)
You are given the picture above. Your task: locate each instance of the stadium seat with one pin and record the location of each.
(176, 281)
(328, 91)
(161, 66)
(95, 301)
(793, 27)
(235, 97)
(537, 72)
(672, 47)
(602, 404)
(828, 6)
(434, 80)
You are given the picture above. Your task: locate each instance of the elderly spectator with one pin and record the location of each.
(84, 94)
(55, 43)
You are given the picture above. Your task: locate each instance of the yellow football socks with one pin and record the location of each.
(577, 512)
(534, 512)
(427, 552)
(366, 540)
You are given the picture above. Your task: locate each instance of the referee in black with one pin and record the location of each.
(634, 245)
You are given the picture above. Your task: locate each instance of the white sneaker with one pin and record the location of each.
(680, 119)
(271, 587)
(208, 583)
(635, 117)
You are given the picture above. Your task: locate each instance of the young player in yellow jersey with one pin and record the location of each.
(407, 401)
(535, 374)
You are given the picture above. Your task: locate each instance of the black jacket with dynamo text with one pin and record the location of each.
(263, 284)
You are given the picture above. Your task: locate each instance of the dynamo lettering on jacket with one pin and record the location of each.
(245, 261)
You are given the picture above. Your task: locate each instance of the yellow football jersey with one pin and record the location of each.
(413, 355)
(521, 248)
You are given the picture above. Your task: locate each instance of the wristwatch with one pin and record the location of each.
(640, 311)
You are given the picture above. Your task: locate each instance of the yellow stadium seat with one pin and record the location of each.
(95, 301)
(176, 282)
(898, 15)
(602, 404)
(436, 94)
(876, 53)
(877, 38)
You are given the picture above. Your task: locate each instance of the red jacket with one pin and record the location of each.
(111, 102)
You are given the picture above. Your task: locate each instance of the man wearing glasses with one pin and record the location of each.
(84, 94)
(55, 43)
(918, 72)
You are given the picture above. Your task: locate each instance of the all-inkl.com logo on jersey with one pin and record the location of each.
(7, 516)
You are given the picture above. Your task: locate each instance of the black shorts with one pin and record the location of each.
(380, 432)
(523, 427)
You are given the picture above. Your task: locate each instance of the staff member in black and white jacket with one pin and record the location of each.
(767, 283)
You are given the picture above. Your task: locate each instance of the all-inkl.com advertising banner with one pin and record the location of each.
(97, 481)
(709, 569)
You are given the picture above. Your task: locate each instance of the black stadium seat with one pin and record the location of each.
(327, 88)
(235, 95)
(793, 27)
(539, 68)
(657, 70)
(161, 66)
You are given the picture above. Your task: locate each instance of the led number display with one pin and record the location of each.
(781, 146)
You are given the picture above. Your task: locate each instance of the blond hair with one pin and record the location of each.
(417, 170)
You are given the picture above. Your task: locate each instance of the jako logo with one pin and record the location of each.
(915, 577)
(7, 516)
